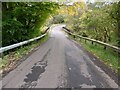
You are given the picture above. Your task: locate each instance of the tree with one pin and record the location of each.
(115, 14)
(23, 20)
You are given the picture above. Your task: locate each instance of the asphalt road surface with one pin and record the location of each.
(58, 63)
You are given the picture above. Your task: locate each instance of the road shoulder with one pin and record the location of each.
(99, 63)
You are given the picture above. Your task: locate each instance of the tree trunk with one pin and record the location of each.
(4, 7)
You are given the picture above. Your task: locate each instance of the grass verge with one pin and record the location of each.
(10, 58)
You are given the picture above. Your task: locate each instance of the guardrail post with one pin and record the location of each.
(85, 40)
(105, 47)
(92, 42)
(80, 39)
(74, 36)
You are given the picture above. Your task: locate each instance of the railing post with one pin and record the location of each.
(74, 36)
(80, 39)
(85, 40)
(92, 42)
(104, 47)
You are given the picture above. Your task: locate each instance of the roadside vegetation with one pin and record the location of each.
(22, 21)
(11, 57)
(100, 21)
(108, 56)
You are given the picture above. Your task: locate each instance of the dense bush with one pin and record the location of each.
(23, 20)
(99, 20)
(58, 19)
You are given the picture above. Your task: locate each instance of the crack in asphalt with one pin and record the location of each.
(36, 71)
(75, 77)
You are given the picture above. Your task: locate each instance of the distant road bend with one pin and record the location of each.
(58, 63)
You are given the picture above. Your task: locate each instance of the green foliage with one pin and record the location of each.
(58, 19)
(23, 20)
(96, 22)
(115, 14)
(99, 20)
(10, 30)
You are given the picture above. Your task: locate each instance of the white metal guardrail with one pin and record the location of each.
(6, 48)
(117, 49)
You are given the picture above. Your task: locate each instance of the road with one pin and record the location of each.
(58, 63)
